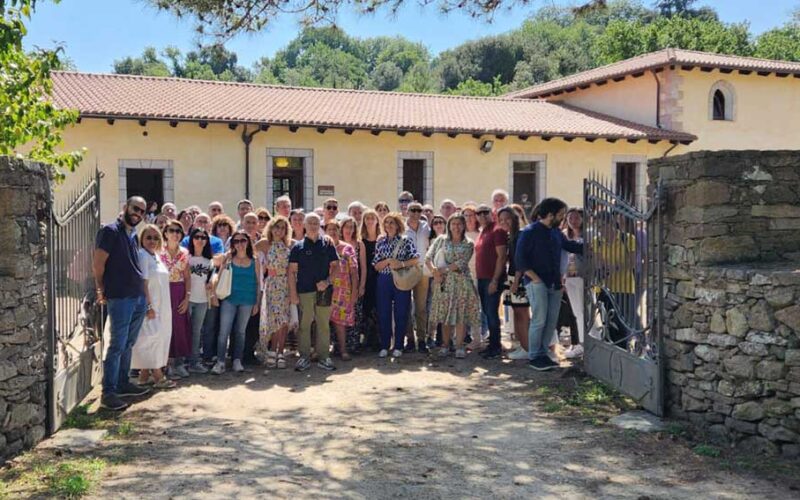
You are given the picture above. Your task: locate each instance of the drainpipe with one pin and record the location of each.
(658, 99)
(247, 139)
(675, 145)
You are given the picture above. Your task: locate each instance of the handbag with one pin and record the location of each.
(405, 278)
(514, 299)
(224, 282)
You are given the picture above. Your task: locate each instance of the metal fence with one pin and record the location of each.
(623, 245)
(75, 333)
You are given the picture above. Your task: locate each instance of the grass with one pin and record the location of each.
(80, 418)
(70, 478)
(124, 429)
(587, 398)
(706, 450)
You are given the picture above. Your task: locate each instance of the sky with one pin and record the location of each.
(97, 32)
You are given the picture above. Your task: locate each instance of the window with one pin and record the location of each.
(414, 178)
(524, 182)
(718, 105)
(415, 174)
(626, 180)
(722, 102)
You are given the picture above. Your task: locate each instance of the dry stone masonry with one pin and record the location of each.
(732, 276)
(24, 198)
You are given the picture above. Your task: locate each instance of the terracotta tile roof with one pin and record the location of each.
(653, 60)
(138, 97)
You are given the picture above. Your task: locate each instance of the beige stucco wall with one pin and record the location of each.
(631, 99)
(767, 111)
(209, 163)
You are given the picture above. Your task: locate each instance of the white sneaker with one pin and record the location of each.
(575, 351)
(461, 353)
(383, 353)
(518, 353)
(237, 365)
(219, 368)
(181, 371)
(397, 353)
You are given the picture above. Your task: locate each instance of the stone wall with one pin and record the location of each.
(24, 198)
(732, 277)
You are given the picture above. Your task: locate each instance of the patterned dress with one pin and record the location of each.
(275, 312)
(181, 345)
(455, 300)
(343, 311)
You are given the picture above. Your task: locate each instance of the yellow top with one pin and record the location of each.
(615, 262)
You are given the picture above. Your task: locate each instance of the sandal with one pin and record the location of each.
(281, 362)
(165, 383)
(271, 359)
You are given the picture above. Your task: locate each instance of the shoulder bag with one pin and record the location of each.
(224, 281)
(405, 278)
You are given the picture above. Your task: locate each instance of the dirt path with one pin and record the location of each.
(411, 429)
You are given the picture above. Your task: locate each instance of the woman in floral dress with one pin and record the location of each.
(275, 307)
(176, 259)
(345, 286)
(454, 302)
(350, 235)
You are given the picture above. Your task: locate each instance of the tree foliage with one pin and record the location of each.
(30, 125)
(552, 43)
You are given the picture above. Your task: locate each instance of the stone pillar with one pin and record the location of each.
(732, 278)
(24, 207)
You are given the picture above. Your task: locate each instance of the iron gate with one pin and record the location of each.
(623, 272)
(76, 322)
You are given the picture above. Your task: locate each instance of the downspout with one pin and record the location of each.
(674, 145)
(247, 139)
(658, 99)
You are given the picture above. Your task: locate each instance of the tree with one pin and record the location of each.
(475, 88)
(30, 125)
(148, 64)
(207, 62)
(386, 76)
(780, 43)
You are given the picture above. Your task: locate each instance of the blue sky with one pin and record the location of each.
(96, 32)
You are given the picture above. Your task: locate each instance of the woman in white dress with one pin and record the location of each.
(151, 351)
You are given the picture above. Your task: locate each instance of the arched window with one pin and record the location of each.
(721, 105)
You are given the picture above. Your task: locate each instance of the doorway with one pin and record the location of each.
(414, 178)
(147, 183)
(287, 179)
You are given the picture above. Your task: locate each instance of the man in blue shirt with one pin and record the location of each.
(538, 258)
(203, 221)
(119, 283)
(312, 262)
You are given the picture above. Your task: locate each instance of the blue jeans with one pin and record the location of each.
(490, 305)
(210, 333)
(126, 317)
(197, 313)
(545, 305)
(390, 299)
(228, 313)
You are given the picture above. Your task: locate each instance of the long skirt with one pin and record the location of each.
(181, 345)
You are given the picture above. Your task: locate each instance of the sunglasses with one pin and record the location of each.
(263, 217)
(173, 230)
(404, 202)
(438, 222)
(239, 241)
(415, 210)
(151, 238)
(331, 207)
(137, 210)
(484, 212)
(199, 237)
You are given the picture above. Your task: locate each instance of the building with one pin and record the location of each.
(190, 141)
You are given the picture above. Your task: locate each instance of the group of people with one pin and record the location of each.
(185, 290)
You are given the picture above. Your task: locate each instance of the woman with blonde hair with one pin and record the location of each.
(370, 234)
(275, 307)
(345, 285)
(454, 301)
(393, 252)
(151, 351)
(263, 219)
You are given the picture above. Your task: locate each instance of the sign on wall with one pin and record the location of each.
(325, 190)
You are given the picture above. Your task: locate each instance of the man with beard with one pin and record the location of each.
(119, 284)
(538, 257)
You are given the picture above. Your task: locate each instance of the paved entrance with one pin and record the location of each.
(411, 429)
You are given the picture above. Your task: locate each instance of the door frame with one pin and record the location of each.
(168, 179)
(308, 174)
